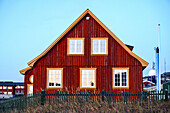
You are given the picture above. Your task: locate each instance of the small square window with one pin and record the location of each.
(75, 46)
(99, 46)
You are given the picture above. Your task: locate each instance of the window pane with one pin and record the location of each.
(9, 87)
(71, 46)
(95, 46)
(30, 89)
(117, 79)
(10, 93)
(91, 78)
(102, 46)
(124, 79)
(84, 78)
(51, 77)
(4, 87)
(58, 77)
(79, 46)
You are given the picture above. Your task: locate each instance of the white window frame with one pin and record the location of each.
(94, 78)
(99, 53)
(75, 53)
(61, 86)
(127, 78)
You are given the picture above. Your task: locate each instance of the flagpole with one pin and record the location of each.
(159, 82)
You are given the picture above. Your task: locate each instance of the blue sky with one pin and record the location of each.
(28, 27)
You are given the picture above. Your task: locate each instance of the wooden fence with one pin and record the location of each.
(53, 97)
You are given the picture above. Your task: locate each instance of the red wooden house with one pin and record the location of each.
(86, 56)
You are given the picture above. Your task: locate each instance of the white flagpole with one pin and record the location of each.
(159, 82)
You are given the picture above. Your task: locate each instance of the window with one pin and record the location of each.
(87, 77)
(4, 87)
(17, 86)
(5, 93)
(9, 87)
(22, 87)
(10, 93)
(120, 78)
(99, 46)
(75, 46)
(54, 77)
(0, 87)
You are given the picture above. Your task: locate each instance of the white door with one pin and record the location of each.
(30, 89)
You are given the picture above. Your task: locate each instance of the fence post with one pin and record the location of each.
(42, 97)
(166, 95)
(103, 95)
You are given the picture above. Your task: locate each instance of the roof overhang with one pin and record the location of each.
(23, 71)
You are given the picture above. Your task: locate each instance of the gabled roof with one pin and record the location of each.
(32, 62)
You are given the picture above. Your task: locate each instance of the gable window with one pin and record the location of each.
(99, 46)
(87, 77)
(120, 77)
(54, 77)
(75, 46)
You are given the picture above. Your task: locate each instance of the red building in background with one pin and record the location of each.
(10, 89)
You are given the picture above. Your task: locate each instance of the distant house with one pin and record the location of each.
(86, 56)
(10, 89)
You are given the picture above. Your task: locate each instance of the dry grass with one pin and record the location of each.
(100, 107)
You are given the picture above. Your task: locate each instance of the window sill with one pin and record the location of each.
(54, 87)
(87, 87)
(99, 54)
(120, 87)
(75, 54)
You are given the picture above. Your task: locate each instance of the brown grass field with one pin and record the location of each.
(100, 107)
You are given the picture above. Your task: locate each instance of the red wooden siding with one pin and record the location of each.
(57, 57)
